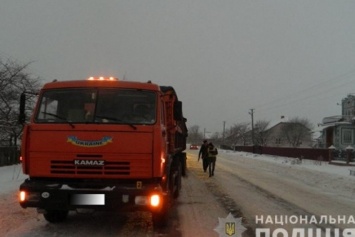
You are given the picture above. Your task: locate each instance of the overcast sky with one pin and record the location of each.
(224, 57)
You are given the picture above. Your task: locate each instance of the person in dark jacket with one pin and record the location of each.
(203, 155)
(212, 157)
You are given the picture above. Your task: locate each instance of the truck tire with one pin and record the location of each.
(183, 164)
(177, 183)
(160, 218)
(55, 216)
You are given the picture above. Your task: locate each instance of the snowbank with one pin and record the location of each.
(10, 178)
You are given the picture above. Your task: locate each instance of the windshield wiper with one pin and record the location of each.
(60, 117)
(116, 120)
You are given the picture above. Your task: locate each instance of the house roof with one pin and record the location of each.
(318, 131)
(332, 119)
(276, 122)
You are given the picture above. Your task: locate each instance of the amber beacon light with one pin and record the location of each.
(102, 79)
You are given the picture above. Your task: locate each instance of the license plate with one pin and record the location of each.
(87, 199)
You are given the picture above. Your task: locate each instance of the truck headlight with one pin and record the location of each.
(155, 200)
(22, 196)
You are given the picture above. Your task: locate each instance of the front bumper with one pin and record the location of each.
(54, 196)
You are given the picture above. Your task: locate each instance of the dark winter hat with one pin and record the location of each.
(204, 141)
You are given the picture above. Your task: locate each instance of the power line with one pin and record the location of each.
(274, 103)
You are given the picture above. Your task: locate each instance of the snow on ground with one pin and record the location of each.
(321, 166)
(323, 176)
(10, 178)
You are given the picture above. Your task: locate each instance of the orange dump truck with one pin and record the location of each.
(103, 144)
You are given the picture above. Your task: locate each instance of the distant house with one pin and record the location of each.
(339, 130)
(340, 135)
(281, 133)
(286, 133)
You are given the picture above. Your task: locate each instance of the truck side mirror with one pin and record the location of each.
(22, 115)
(178, 110)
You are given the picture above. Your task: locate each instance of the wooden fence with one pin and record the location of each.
(318, 154)
(305, 153)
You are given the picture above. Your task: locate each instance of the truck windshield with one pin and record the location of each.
(118, 106)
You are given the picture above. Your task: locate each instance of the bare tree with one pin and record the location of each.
(237, 134)
(261, 132)
(13, 81)
(296, 131)
(195, 136)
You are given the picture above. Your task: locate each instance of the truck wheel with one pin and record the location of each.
(55, 216)
(183, 164)
(177, 183)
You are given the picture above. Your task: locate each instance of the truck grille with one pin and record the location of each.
(110, 168)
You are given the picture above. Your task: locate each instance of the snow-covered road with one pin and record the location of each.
(279, 187)
(246, 185)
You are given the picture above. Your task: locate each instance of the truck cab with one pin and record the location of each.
(103, 144)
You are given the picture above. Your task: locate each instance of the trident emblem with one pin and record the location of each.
(230, 228)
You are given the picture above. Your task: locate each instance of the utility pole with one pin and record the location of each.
(252, 126)
(224, 130)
